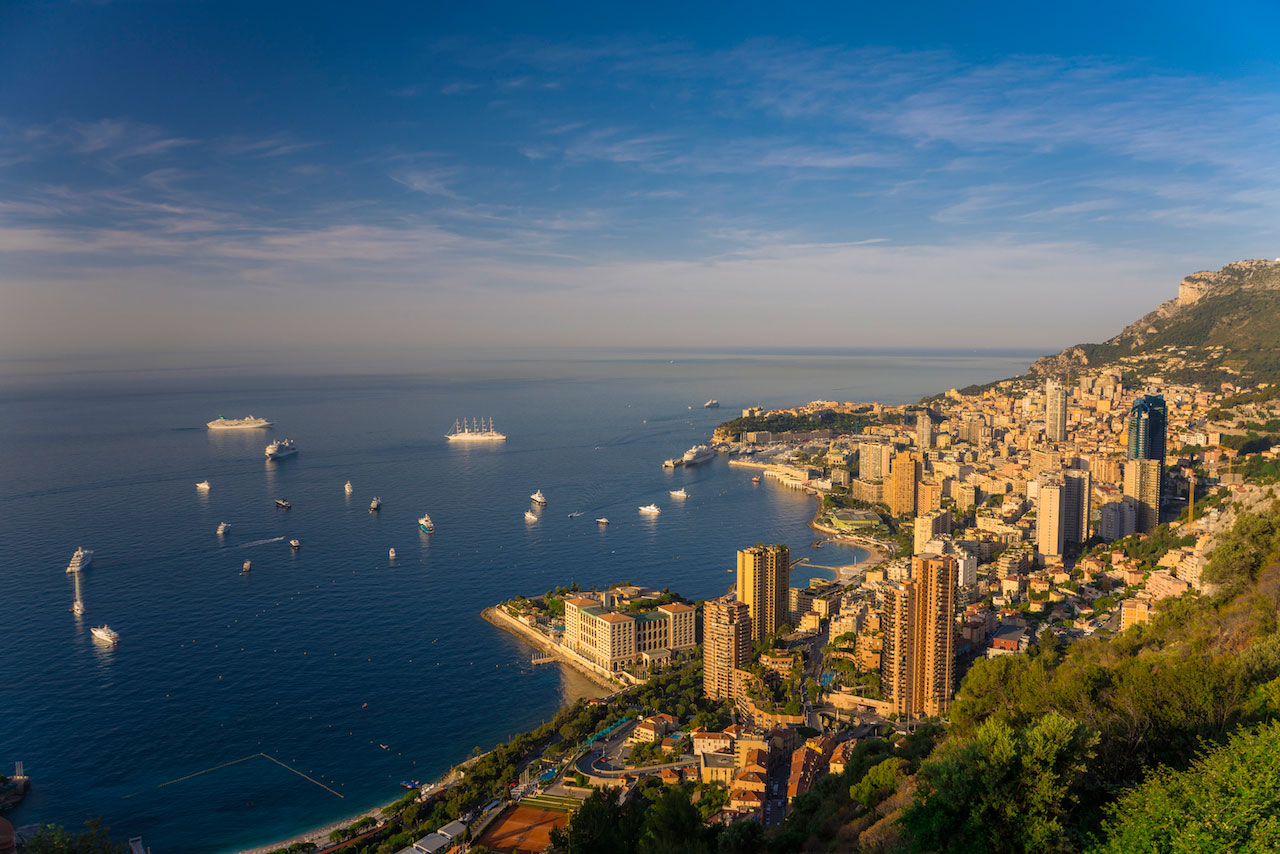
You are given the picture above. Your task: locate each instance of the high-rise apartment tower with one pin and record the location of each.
(764, 582)
(726, 645)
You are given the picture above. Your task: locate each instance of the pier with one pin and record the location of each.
(536, 659)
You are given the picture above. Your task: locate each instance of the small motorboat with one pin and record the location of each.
(347, 489)
(530, 516)
(679, 493)
(223, 527)
(203, 486)
(602, 521)
(391, 553)
(248, 565)
(282, 504)
(576, 513)
(375, 505)
(755, 479)
(295, 545)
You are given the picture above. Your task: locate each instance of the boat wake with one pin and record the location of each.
(261, 542)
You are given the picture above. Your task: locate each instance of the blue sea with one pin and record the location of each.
(226, 688)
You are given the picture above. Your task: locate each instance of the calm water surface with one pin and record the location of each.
(319, 657)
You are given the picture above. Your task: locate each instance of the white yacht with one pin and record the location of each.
(426, 525)
(105, 633)
(391, 554)
(203, 486)
(248, 423)
(538, 498)
(375, 505)
(679, 493)
(530, 516)
(698, 454)
(223, 527)
(281, 448)
(603, 520)
(347, 489)
(711, 404)
(650, 510)
(248, 566)
(80, 560)
(295, 545)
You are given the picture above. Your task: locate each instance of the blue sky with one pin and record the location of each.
(180, 175)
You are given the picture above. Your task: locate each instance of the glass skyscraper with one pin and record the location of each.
(1148, 424)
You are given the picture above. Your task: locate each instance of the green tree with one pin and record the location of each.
(673, 826)
(1228, 800)
(600, 826)
(52, 839)
(1004, 789)
(741, 837)
(878, 783)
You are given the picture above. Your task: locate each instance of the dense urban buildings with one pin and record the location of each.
(764, 579)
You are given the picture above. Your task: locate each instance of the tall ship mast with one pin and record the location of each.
(475, 430)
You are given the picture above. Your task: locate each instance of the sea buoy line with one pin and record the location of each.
(246, 759)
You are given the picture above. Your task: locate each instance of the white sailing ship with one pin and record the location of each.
(474, 431)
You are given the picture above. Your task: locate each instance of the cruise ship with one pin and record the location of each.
(281, 448)
(475, 431)
(698, 454)
(426, 525)
(105, 633)
(246, 423)
(80, 560)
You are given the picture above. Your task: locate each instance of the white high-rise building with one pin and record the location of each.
(1055, 411)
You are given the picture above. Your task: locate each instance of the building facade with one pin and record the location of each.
(1142, 487)
(917, 663)
(1055, 411)
(764, 581)
(613, 640)
(900, 492)
(726, 645)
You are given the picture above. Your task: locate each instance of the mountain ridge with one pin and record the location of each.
(1235, 309)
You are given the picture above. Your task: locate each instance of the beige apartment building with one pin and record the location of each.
(726, 645)
(764, 583)
(917, 659)
(612, 640)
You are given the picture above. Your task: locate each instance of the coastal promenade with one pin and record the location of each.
(498, 616)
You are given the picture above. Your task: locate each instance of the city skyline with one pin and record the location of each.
(221, 177)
